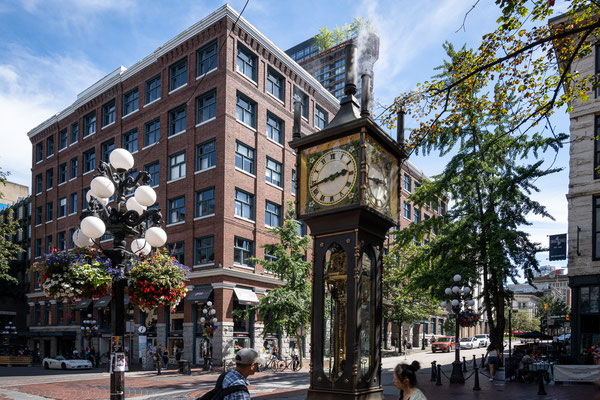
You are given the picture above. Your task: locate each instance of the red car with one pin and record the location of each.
(443, 343)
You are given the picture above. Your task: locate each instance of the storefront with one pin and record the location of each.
(585, 315)
(202, 343)
(243, 328)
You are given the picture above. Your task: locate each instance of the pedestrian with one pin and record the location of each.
(524, 364)
(247, 362)
(493, 357)
(295, 357)
(75, 353)
(93, 357)
(405, 380)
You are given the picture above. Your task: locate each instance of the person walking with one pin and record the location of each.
(493, 357)
(247, 362)
(295, 357)
(405, 380)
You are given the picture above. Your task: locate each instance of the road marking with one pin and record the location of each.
(14, 395)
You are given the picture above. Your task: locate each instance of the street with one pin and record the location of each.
(35, 383)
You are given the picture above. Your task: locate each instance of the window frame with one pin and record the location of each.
(200, 248)
(151, 90)
(245, 159)
(86, 167)
(63, 139)
(270, 172)
(211, 155)
(199, 203)
(154, 133)
(74, 132)
(202, 58)
(303, 100)
(269, 215)
(275, 80)
(245, 254)
(278, 127)
(73, 203)
(175, 120)
(175, 75)
(324, 119)
(130, 101)
(247, 110)
(248, 204)
(49, 178)
(250, 62)
(146, 168)
(62, 173)
(109, 113)
(49, 146)
(74, 164)
(106, 148)
(62, 207)
(130, 145)
(177, 165)
(89, 124)
(202, 107)
(178, 210)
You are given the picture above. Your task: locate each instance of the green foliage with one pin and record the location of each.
(8, 249)
(523, 321)
(450, 326)
(287, 306)
(327, 38)
(490, 179)
(552, 305)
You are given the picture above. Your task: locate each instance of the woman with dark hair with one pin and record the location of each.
(493, 357)
(405, 379)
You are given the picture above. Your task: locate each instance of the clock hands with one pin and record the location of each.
(330, 177)
(377, 180)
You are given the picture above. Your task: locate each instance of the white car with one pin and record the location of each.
(62, 363)
(469, 343)
(484, 339)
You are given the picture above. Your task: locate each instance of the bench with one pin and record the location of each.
(15, 360)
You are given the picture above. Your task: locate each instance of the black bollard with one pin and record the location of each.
(433, 372)
(464, 364)
(476, 386)
(438, 381)
(541, 390)
(474, 361)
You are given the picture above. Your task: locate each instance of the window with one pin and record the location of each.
(63, 139)
(443, 208)
(74, 132)
(130, 141)
(39, 186)
(177, 250)
(153, 169)
(84, 203)
(153, 89)
(178, 73)
(303, 100)
(301, 228)
(176, 210)
(246, 111)
(177, 120)
(244, 157)
(416, 215)
(39, 152)
(38, 215)
(152, 132)
(89, 160)
(38, 251)
(205, 202)
(275, 84)
(294, 182)
(74, 168)
(321, 117)
(106, 148)
(270, 257)
(61, 242)
(89, 124)
(49, 178)
(207, 58)
(407, 183)
(62, 207)
(205, 253)
(272, 214)
(62, 173)
(50, 146)
(206, 155)
(406, 210)
(243, 250)
(108, 113)
(177, 166)
(596, 144)
(596, 229)
(73, 203)
(49, 211)
(206, 107)
(71, 241)
(273, 173)
(246, 62)
(274, 128)
(244, 204)
(130, 101)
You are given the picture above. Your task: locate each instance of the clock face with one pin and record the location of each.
(378, 185)
(381, 179)
(332, 177)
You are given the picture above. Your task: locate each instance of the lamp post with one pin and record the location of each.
(510, 333)
(89, 328)
(423, 340)
(127, 219)
(459, 300)
(208, 323)
(9, 331)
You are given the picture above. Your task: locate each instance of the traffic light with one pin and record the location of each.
(545, 306)
(567, 318)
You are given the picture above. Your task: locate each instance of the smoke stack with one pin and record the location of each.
(400, 127)
(350, 88)
(365, 95)
(296, 128)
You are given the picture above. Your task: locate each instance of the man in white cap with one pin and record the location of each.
(247, 362)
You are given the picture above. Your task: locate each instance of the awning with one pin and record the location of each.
(246, 296)
(200, 294)
(85, 303)
(102, 302)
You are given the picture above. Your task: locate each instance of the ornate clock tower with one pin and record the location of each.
(348, 195)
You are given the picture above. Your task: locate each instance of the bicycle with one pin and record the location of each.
(288, 363)
(270, 364)
(229, 365)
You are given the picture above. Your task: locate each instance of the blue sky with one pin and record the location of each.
(53, 49)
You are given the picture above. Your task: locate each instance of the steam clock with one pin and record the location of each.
(348, 196)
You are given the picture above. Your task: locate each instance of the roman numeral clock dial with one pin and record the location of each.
(332, 177)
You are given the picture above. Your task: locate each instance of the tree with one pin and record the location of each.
(523, 321)
(524, 55)
(489, 180)
(8, 249)
(288, 306)
(402, 305)
(327, 38)
(555, 307)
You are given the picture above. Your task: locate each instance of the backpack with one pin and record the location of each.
(218, 393)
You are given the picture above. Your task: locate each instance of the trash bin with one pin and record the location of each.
(184, 367)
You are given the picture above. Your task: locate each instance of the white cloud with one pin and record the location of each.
(32, 89)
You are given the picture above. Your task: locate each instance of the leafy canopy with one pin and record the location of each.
(8, 249)
(327, 38)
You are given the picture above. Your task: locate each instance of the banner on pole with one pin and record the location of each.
(558, 247)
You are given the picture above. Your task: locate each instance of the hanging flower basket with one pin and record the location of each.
(75, 273)
(157, 280)
(467, 319)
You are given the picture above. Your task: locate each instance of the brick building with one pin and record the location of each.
(209, 115)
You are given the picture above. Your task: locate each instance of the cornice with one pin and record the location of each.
(234, 273)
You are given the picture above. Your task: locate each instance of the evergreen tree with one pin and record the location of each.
(8, 249)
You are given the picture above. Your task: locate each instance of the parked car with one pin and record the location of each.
(443, 343)
(469, 343)
(62, 363)
(484, 339)
(564, 337)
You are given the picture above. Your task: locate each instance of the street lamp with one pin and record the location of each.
(9, 331)
(459, 300)
(423, 340)
(208, 323)
(89, 328)
(127, 219)
(510, 333)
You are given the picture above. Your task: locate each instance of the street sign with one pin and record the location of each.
(558, 247)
